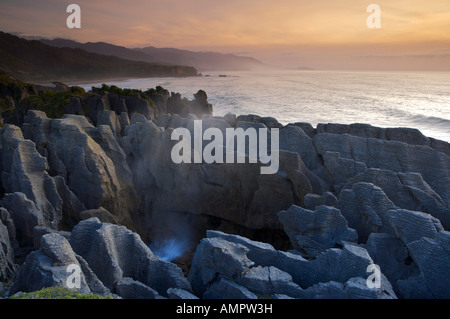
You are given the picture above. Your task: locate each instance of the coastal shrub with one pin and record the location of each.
(158, 90)
(151, 91)
(113, 89)
(100, 90)
(54, 107)
(130, 92)
(47, 95)
(48, 101)
(77, 90)
(32, 101)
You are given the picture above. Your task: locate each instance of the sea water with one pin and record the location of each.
(386, 99)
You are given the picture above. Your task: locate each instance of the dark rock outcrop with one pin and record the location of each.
(312, 232)
(392, 255)
(114, 252)
(231, 193)
(8, 267)
(25, 216)
(110, 260)
(365, 207)
(49, 266)
(391, 155)
(95, 187)
(25, 171)
(257, 269)
(128, 288)
(89, 159)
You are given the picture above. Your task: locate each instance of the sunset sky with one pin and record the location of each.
(291, 33)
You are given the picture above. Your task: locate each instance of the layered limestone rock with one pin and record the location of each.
(231, 193)
(246, 269)
(108, 260)
(8, 244)
(312, 232)
(49, 266)
(345, 197)
(432, 165)
(25, 171)
(89, 159)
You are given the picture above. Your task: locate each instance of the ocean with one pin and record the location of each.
(387, 99)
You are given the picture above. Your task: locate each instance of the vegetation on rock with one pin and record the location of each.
(56, 293)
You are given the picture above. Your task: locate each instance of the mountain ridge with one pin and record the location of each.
(33, 60)
(202, 61)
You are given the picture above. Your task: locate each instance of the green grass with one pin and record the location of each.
(57, 293)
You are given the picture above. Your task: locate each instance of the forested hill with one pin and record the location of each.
(202, 61)
(32, 60)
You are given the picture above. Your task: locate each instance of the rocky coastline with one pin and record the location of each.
(86, 180)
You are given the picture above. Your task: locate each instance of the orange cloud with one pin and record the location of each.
(244, 25)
